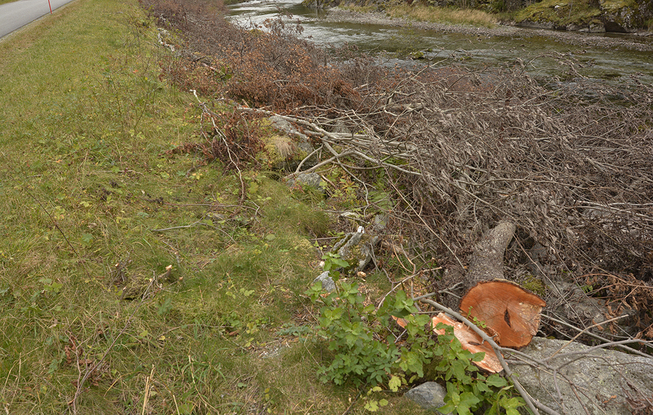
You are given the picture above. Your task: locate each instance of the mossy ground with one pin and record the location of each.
(94, 206)
(560, 12)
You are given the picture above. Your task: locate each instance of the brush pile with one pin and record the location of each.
(459, 150)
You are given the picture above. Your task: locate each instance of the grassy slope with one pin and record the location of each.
(84, 179)
(423, 13)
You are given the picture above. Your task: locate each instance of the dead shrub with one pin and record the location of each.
(267, 65)
(183, 15)
(232, 137)
(273, 68)
(200, 73)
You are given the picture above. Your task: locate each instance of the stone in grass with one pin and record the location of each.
(312, 180)
(357, 248)
(328, 284)
(429, 395)
(280, 123)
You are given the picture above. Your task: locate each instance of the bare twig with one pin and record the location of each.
(146, 394)
(205, 110)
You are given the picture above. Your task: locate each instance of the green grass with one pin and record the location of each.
(443, 15)
(94, 206)
(7, 1)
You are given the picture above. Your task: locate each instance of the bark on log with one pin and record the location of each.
(486, 263)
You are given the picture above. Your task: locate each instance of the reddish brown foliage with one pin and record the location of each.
(199, 74)
(265, 66)
(235, 143)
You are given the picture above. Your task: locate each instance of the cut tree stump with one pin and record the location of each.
(506, 311)
(470, 341)
(510, 314)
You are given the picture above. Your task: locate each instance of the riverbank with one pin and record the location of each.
(153, 260)
(641, 42)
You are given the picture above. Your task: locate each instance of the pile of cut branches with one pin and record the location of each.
(572, 167)
(571, 164)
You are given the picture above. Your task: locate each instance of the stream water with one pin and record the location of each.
(397, 43)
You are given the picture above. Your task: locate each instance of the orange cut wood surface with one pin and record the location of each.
(470, 341)
(511, 313)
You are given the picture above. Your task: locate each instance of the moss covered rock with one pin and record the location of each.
(625, 15)
(587, 15)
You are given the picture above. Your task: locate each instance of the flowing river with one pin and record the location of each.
(398, 43)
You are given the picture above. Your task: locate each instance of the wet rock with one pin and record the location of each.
(579, 379)
(429, 395)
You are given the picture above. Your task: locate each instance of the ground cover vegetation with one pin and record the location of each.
(160, 267)
(97, 204)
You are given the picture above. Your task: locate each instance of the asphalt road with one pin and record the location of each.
(19, 13)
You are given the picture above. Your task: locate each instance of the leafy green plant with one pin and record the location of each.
(467, 389)
(366, 351)
(332, 263)
(359, 337)
(372, 404)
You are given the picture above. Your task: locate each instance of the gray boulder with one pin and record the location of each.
(328, 284)
(429, 395)
(357, 248)
(282, 124)
(312, 180)
(569, 302)
(572, 378)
